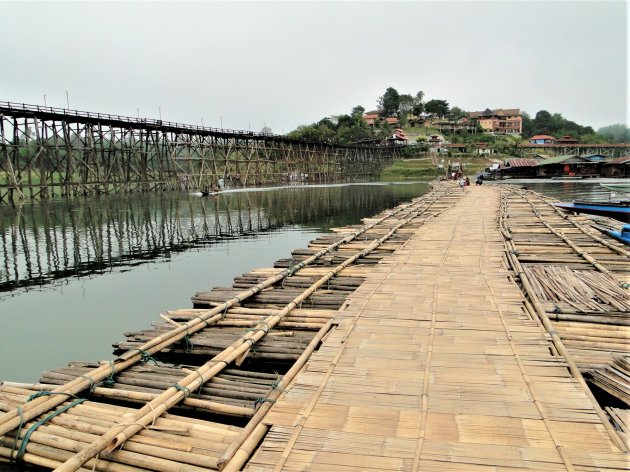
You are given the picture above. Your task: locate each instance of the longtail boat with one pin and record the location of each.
(624, 188)
(618, 211)
(622, 236)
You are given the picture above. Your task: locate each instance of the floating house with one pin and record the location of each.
(520, 167)
(570, 165)
(619, 167)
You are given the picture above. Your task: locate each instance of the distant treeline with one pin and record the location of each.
(352, 128)
(556, 125)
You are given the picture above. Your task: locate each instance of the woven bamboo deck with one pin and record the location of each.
(439, 364)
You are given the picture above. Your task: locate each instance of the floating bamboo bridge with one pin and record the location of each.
(465, 331)
(46, 151)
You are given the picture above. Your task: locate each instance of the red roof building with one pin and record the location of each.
(372, 117)
(505, 121)
(542, 139)
(566, 140)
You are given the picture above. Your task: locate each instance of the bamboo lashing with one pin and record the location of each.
(521, 274)
(113, 439)
(10, 420)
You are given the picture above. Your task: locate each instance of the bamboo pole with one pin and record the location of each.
(173, 395)
(273, 396)
(555, 338)
(246, 450)
(11, 420)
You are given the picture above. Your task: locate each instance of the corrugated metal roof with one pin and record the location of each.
(561, 159)
(517, 162)
(619, 160)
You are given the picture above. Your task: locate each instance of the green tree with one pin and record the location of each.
(617, 133)
(456, 113)
(437, 107)
(405, 105)
(528, 125)
(389, 102)
(357, 111)
(418, 104)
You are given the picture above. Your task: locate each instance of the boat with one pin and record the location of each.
(625, 188)
(622, 236)
(618, 211)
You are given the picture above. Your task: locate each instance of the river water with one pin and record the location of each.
(75, 274)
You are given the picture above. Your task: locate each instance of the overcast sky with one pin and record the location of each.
(286, 64)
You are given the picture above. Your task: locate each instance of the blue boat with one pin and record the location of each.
(622, 236)
(618, 211)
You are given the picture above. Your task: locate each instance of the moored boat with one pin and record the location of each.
(625, 188)
(618, 211)
(622, 236)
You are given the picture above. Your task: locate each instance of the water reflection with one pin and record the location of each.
(51, 240)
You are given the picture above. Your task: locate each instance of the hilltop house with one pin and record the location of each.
(567, 140)
(503, 121)
(542, 139)
(372, 117)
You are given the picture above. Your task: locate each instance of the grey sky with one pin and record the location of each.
(286, 64)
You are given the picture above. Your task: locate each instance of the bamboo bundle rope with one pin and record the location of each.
(574, 246)
(190, 383)
(12, 420)
(555, 338)
(219, 389)
(569, 218)
(286, 380)
(135, 396)
(159, 449)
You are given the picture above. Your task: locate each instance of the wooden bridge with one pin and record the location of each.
(468, 330)
(46, 151)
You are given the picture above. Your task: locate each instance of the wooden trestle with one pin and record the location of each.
(48, 151)
(451, 333)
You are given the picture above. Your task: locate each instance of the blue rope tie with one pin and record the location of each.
(276, 383)
(146, 357)
(260, 401)
(189, 345)
(45, 393)
(266, 329)
(19, 431)
(109, 381)
(185, 390)
(22, 450)
(200, 383)
(90, 380)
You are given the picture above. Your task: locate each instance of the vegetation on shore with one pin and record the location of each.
(424, 168)
(352, 128)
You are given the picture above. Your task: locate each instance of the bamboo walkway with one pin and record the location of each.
(454, 332)
(438, 364)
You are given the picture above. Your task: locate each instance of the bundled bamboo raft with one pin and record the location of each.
(168, 443)
(579, 279)
(440, 362)
(230, 356)
(615, 379)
